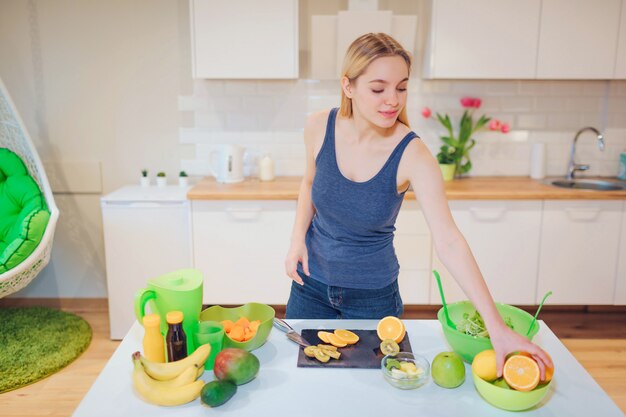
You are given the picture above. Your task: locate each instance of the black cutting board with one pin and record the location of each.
(364, 354)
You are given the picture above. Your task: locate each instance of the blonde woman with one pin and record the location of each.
(360, 160)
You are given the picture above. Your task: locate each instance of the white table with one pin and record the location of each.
(283, 389)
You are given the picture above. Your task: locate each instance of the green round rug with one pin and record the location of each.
(36, 342)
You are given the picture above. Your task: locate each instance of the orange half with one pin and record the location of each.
(392, 328)
(521, 373)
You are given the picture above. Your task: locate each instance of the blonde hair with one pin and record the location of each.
(360, 54)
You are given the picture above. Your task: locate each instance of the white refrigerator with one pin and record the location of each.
(147, 233)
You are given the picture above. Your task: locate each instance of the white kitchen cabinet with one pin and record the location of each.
(620, 62)
(504, 238)
(483, 39)
(240, 246)
(244, 39)
(579, 250)
(578, 39)
(413, 248)
(147, 233)
(620, 278)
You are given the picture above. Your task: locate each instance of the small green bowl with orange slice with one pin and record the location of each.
(252, 311)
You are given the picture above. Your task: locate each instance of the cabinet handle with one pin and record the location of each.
(583, 214)
(488, 214)
(244, 214)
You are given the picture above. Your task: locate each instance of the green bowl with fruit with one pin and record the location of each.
(405, 370)
(464, 316)
(507, 398)
(252, 311)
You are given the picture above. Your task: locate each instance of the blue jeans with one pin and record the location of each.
(315, 300)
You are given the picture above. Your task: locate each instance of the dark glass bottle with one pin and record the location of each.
(176, 338)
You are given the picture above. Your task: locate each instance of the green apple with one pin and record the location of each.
(448, 370)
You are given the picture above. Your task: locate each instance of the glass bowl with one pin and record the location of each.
(406, 380)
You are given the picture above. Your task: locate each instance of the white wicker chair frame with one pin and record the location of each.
(14, 136)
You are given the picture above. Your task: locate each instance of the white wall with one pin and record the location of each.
(96, 83)
(105, 90)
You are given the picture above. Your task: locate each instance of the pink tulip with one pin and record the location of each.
(426, 112)
(495, 125)
(467, 102)
(505, 128)
(471, 102)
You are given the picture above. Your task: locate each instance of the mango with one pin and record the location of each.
(236, 365)
(216, 393)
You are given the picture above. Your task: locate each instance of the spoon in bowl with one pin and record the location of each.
(443, 301)
(532, 323)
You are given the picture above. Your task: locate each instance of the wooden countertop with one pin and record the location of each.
(473, 188)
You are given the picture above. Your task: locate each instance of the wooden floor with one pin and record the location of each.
(599, 344)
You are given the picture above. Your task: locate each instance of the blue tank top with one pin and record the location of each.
(350, 239)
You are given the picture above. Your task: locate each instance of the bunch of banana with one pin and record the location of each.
(172, 383)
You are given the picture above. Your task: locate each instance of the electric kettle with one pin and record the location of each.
(226, 163)
(177, 291)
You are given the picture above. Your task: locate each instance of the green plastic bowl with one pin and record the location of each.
(507, 398)
(469, 346)
(253, 311)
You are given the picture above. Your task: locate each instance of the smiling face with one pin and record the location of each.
(379, 94)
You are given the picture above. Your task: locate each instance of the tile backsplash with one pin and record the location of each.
(268, 117)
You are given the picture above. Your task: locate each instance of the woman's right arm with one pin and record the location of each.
(305, 210)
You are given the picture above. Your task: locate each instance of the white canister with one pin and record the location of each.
(538, 161)
(266, 168)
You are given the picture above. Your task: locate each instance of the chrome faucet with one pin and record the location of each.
(572, 166)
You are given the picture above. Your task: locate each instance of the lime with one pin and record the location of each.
(389, 347)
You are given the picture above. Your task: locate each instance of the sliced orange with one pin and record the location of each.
(521, 373)
(346, 336)
(335, 341)
(549, 371)
(392, 328)
(323, 336)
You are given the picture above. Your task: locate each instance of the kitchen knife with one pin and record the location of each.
(291, 333)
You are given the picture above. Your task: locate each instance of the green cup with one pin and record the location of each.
(211, 332)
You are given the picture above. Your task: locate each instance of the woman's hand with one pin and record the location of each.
(505, 341)
(297, 253)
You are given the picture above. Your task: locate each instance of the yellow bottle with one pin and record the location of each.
(153, 342)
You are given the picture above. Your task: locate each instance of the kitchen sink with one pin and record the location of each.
(597, 184)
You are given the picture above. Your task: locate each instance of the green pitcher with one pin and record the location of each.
(179, 290)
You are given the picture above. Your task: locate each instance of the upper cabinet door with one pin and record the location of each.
(483, 39)
(620, 63)
(578, 39)
(244, 39)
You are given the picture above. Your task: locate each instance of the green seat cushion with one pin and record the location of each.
(24, 214)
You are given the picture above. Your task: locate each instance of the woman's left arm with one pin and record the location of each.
(420, 168)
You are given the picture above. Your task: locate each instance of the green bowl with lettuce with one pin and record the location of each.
(471, 337)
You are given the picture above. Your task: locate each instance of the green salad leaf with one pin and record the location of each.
(474, 325)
